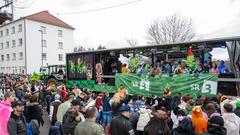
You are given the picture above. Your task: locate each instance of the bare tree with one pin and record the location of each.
(101, 47)
(132, 42)
(172, 29)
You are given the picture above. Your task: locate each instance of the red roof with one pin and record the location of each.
(46, 17)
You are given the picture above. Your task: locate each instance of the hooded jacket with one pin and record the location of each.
(231, 123)
(5, 111)
(198, 120)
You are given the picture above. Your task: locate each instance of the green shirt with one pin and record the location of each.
(88, 127)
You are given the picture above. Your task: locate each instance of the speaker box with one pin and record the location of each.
(227, 88)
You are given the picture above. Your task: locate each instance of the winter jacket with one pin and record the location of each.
(106, 104)
(144, 118)
(17, 125)
(216, 131)
(231, 123)
(88, 127)
(35, 113)
(69, 128)
(121, 126)
(5, 113)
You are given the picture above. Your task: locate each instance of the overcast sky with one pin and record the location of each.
(110, 27)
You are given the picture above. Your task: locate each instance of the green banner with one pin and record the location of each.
(204, 84)
(80, 84)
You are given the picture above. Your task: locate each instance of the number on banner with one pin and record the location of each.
(209, 87)
(144, 85)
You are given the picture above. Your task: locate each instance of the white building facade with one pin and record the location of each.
(34, 41)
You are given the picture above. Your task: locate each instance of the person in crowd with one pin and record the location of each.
(213, 69)
(198, 120)
(98, 105)
(76, 106)
(5, 111)
(154, 103)
(198, 100)
(184, 102)
(54, 108)
(215, 126)
(167, 68)
(199, 69)
(107, 112)
(237, 110)
(158, 124)
(62, 109)
(89, 127)
(121, 125)
(185, 127)
(231, 120)
(210, 109)
(206, 68)
(35, 112)
(222, 68)
(122, 92)
(115, 103)
(48, 100)
(16, 125)
(64, 93)
(73, 118)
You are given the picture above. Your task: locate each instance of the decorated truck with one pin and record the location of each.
(139, 69)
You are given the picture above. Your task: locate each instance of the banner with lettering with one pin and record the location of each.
(204, 84)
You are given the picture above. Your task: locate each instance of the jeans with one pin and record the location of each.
(107, 118)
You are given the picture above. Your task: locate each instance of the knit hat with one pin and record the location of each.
(238, 104)
(16, 103)
(216, 120)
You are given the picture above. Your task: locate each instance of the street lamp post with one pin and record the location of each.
(41, 48)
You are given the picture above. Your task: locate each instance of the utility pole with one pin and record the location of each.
(12, 10)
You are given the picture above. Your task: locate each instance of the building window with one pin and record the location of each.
(20, 41)
(1, 33)
(20, 55)
(44, 56)
(7, 45)
(7, 32)
(14, 56)
(60, 45)
(13, 30)
(20, 28)
(43, 29)
(13, 43)
(60, 34)
(44, 43)
(2, 57)
(8, 57)
(60, 57)
(1, 46)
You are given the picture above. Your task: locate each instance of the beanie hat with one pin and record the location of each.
(238, 104)
(216, 120)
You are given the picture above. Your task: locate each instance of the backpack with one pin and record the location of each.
(33, 128)
(55, 129)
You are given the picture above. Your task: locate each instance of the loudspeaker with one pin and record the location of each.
(227, 88)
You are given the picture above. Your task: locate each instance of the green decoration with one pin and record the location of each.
(81, 66)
